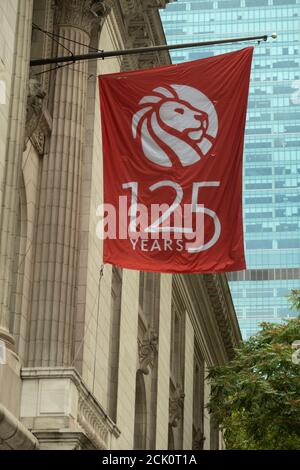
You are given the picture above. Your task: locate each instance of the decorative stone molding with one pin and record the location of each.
(133, 6)
(13, 435)
(34, 108)
(215, 289)
(158, 37)
(176, 406)
(140, 25)
(129, 6)
(208, 301)
(155, 3)
(138, 31)
(38, 120)
(147, 61)
(92, 423)
(72, 406)
(7, 339)
(63, 440)
(147, 349)
(83, 14)
(38, 137)
(198, 440)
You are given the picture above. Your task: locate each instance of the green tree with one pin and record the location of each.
(255, 398)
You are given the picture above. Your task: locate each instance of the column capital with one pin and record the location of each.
(82, 14)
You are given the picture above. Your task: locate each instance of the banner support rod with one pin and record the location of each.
(142, 50)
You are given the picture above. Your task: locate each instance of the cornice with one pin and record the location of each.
(219, 294)
(207, 299)
(189, 290)
(140, 26)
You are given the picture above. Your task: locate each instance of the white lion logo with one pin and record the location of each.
(178, 118)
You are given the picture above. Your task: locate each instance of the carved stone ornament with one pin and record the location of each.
(37, 124)
(38, 120)
(154, 4)
(147, 350)
(198, 440)
(176, 406)
(83, 14)
(34, 107)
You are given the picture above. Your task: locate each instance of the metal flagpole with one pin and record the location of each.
(140, 50)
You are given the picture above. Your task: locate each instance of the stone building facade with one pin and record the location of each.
(91, 357)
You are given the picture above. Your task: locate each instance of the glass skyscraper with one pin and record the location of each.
(272, 142)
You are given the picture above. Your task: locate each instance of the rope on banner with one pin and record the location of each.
(49, 33)
(96, 302)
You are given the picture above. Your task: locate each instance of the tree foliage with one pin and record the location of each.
(255, 398)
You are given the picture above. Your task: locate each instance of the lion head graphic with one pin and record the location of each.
(179, 118)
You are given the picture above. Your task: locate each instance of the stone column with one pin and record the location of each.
(55, 271)
(188, 384)
(163, 363)
(207, 416)
(13, 162)
(10, 370)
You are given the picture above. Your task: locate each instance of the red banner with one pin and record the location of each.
(172, 154)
